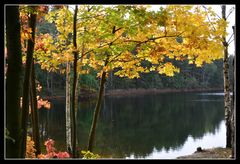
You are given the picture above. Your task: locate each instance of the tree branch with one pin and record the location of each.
(215, 13)
(89, 8)
(115, 57)
(106, 44)
(153, 39)
(118, 29)
(230, 12)
(209, 18)
(91, 17)
(230, 42)
(230, 38)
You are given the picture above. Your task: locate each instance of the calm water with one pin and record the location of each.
(151, 126)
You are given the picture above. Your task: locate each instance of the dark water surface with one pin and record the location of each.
(150, 126)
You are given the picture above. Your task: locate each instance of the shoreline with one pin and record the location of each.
(142, 91)
(212, 153)
(86, 95)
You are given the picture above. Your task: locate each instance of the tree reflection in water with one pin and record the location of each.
(138, 125)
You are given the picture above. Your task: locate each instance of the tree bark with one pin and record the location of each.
(68, 119)
(234, 98)
(48, 86)
(34, 112)
(74, 102)
(25, 106)
(96, 113)
(227, 98)
(68, 101)
(13, 81)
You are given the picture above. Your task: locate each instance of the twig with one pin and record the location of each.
(230, 38)
(230, 12)
(209, 18)
(230, 41)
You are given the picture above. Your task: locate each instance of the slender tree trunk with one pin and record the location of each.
(68, 101)
(47, 127)
(35, 123)
(75, 110)
(68, 120)
(76, 86)
(48, 88)
(51, 84)
(234, 98)
(74, 102)
(96, 112)
(98, 105)
(227, 98)
(111, 80)
(25, 106)
(13, 81)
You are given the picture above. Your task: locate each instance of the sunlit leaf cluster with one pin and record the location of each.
(121, 37)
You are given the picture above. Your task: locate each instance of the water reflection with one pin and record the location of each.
(143, 125)
(209, 140)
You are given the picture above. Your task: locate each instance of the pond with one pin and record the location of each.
(158, 126)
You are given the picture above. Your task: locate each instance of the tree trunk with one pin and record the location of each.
(25, 106)
(51, 91)
(234, 98)
(227, 98)
(74, 102)
(68, 120)
(13, 81)
(35, 123)
(98, 105)
(48, 88)
(68, 101)
(96, 112)
(76, 109)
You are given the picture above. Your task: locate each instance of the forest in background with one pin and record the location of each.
(210, 76)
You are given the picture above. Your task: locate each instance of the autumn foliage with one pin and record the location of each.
(51, 151)
(40, 102)
(30, 150)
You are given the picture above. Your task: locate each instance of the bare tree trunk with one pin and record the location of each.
(96, 113)
(25, 106)
(74, 102)
(68, 101)
(227, 98)
(48, 87)
(51, 92)
(35, 123)
(234, 98)
(68, 119)
(13, 82)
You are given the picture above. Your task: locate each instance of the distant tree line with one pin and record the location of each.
(190, 77)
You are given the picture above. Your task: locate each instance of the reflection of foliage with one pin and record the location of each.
(140, 124)
(135, 125)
